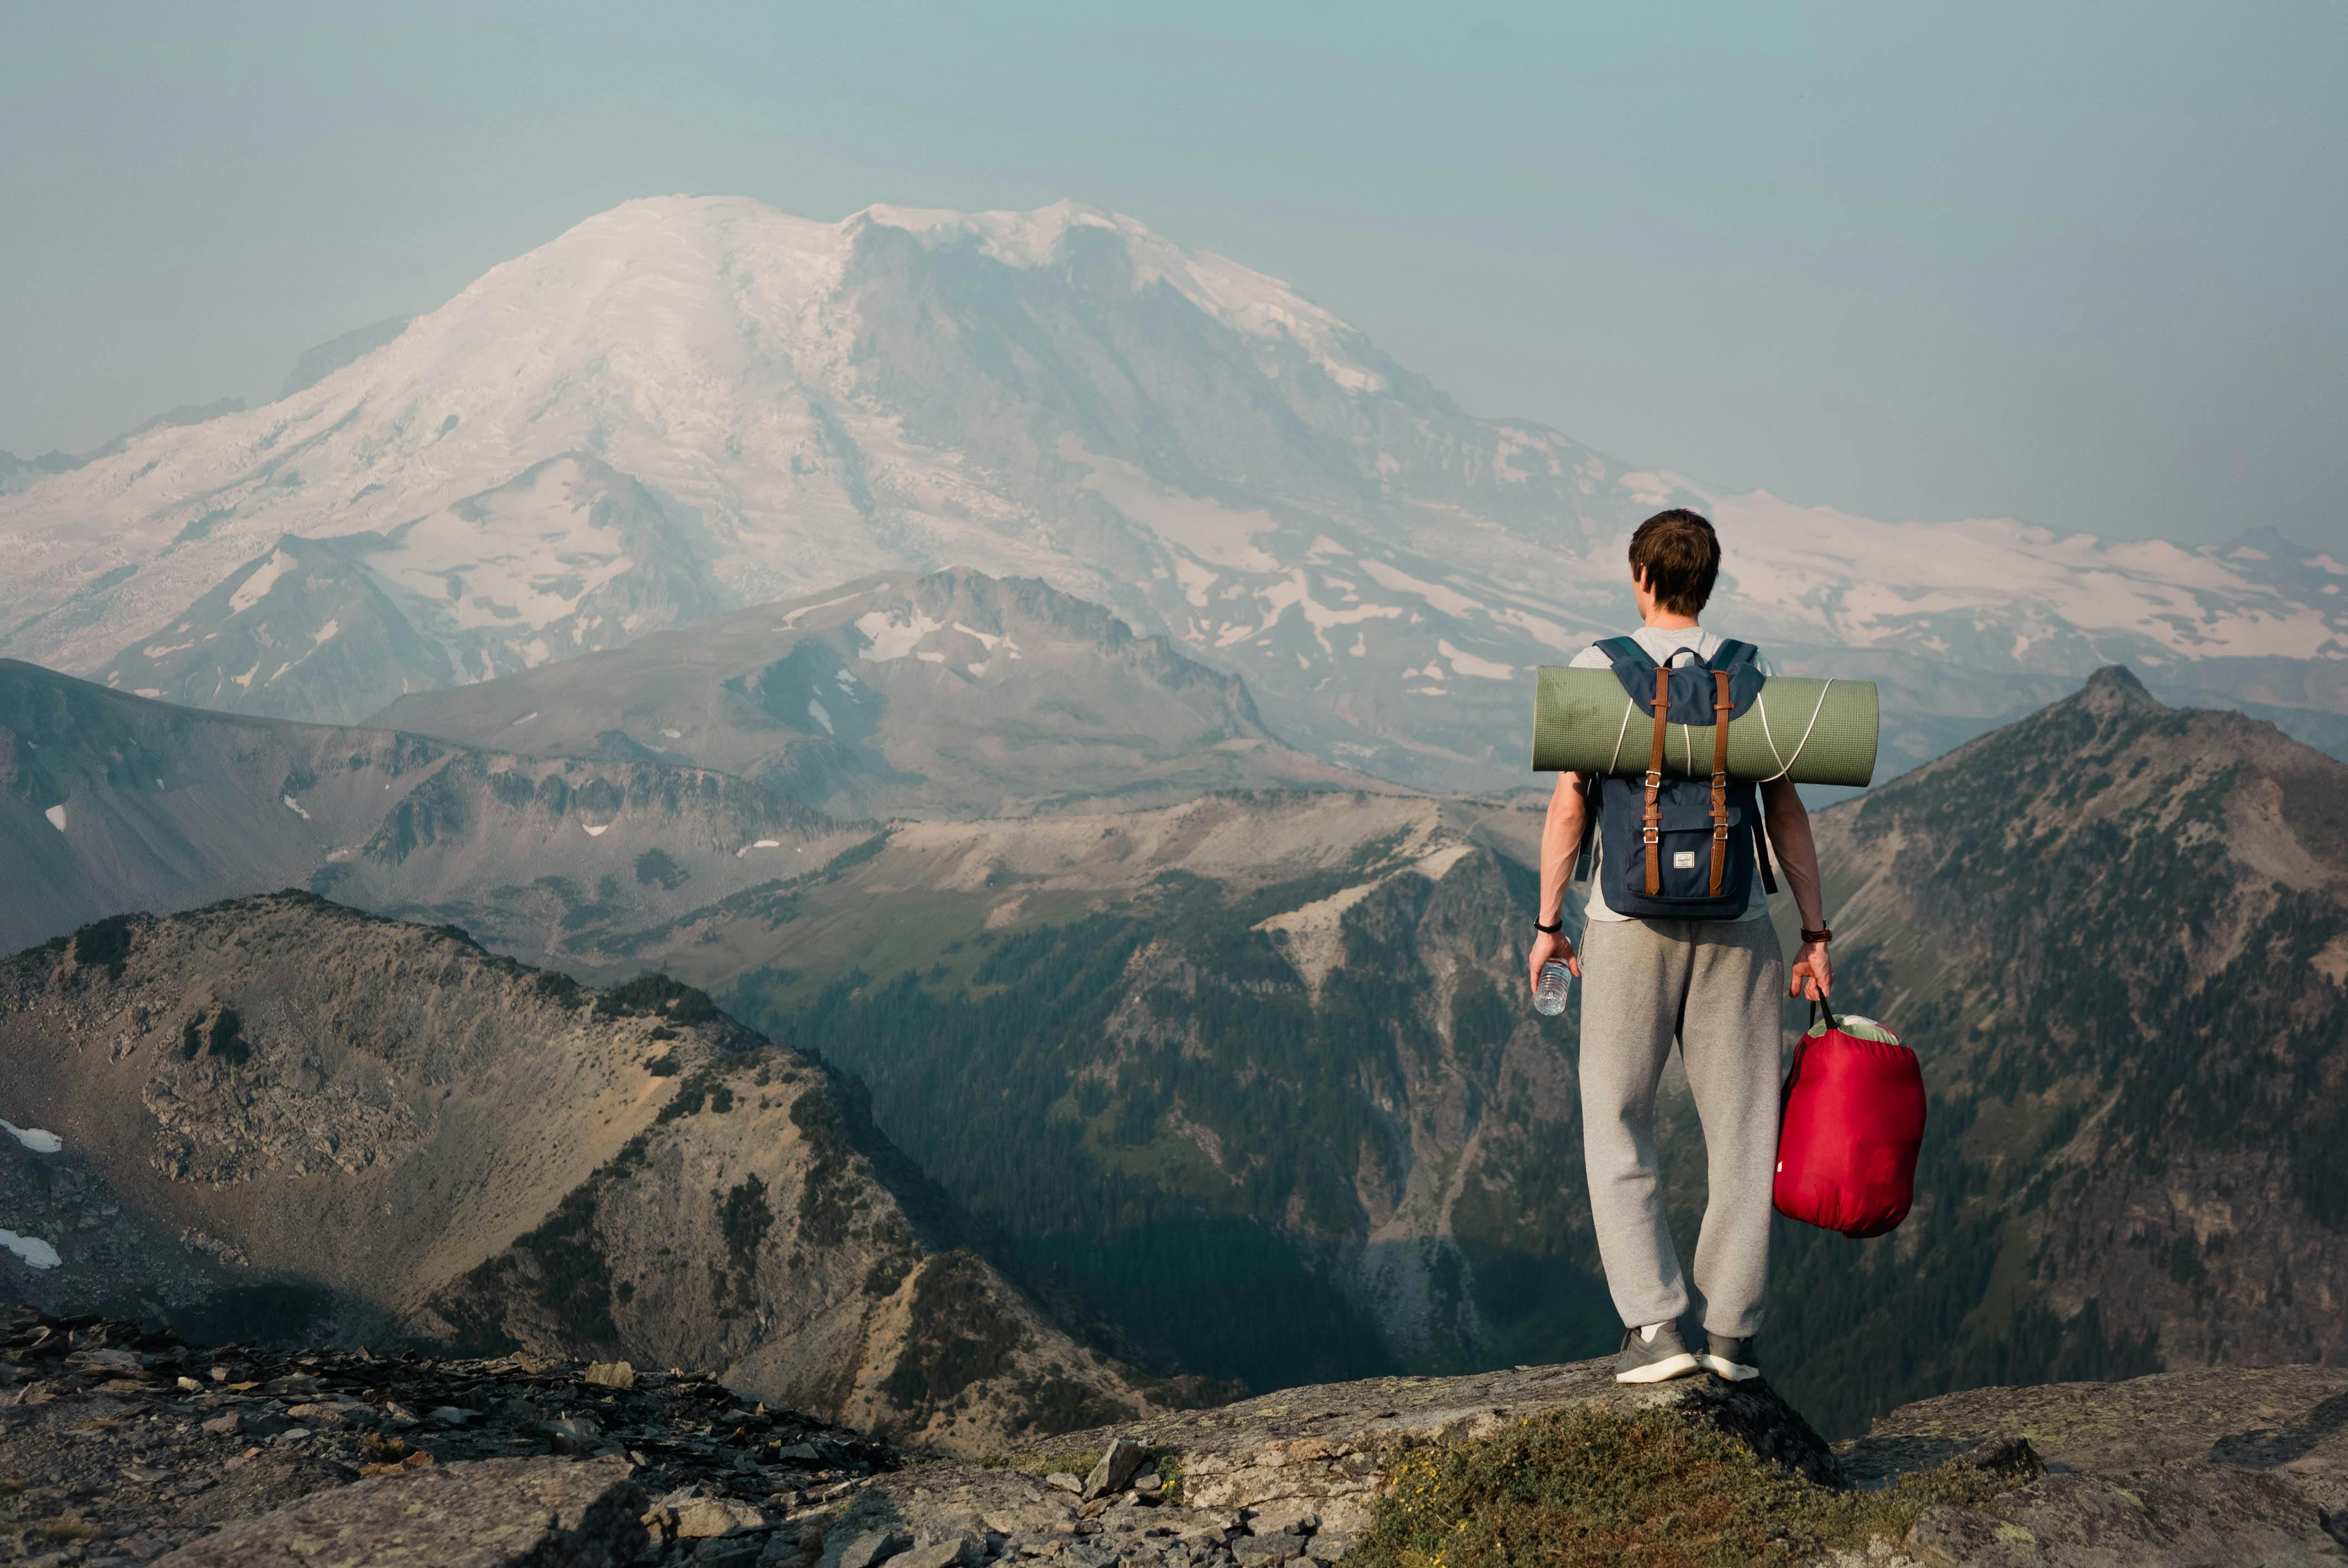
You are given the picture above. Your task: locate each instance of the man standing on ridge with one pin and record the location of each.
(1713, 983)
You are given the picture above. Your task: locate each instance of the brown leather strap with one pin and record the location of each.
(1652, 832)
(1720, 706)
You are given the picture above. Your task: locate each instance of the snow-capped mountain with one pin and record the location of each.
(686, 404)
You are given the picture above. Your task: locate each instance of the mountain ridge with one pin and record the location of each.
(111, 804)
(945, 693)
(2113, 931)
(478, 1152)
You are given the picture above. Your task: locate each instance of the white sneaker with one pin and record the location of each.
(1656, 1361)
(1731, 1358)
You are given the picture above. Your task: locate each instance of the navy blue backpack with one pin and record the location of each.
(1684, 846)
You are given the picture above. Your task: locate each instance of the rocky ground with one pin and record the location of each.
(118, 1446)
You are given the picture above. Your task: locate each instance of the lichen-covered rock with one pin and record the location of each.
(1322, 1453)
(2182, 1514)
(492, 1513)
(2216, 1465)
(2291, 1419)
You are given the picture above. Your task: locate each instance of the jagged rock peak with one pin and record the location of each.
(2116, 689)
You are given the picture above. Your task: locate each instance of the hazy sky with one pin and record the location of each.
(2081, 263)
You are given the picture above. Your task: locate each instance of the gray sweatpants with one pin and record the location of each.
(1715, 984)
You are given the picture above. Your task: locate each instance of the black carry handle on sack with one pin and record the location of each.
(1818, 1008)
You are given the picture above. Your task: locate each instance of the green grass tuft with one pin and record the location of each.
(1077, 1464)
(1591, 1489)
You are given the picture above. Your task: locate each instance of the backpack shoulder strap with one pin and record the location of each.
(1731, 653)
(1585, 857)
(1622, 651)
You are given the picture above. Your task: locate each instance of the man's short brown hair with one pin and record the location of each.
(1678, 554)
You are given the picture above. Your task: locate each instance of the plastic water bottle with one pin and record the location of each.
(1548, 996)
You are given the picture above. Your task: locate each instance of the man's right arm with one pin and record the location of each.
(1560, 845)
(1812, 973)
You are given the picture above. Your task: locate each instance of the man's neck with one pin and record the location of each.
(1671, 620)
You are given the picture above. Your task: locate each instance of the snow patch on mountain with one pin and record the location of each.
(1253, 303)
(31, 1250)
(1842, 578)
(256, 587)
(39, 1140)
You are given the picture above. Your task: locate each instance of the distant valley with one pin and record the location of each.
(1289, 1033)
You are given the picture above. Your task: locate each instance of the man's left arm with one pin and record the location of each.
(1812, 974)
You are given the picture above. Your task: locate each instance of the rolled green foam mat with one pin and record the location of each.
(1811, 731)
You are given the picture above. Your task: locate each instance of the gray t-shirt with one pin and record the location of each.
(1663, 643)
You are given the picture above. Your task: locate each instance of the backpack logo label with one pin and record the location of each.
(1683, 860)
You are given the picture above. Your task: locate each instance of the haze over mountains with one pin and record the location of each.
(997, 652)
(688, 404)
(557, 813)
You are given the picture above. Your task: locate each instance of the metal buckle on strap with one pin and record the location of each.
(1655, 778)
(1650, 836)
(1720, 833)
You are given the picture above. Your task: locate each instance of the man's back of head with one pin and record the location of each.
(1676, 558)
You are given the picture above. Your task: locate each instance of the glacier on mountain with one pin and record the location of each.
(688, 404)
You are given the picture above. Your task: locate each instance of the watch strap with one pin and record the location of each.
(1822, 934)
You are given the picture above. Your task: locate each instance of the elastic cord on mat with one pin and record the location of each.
(1616, 760)
(1784, 766)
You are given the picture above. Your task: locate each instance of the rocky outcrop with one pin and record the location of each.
(490, 1513)
(123, 1445)
(2212, 1467)
(137, 1444)
(380, 1127)
(2208, 1466)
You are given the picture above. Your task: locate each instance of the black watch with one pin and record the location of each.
(1556, 930)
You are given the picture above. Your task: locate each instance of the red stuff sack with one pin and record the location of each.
(1854, 1114)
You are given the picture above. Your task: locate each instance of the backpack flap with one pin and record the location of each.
(1692, 686)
